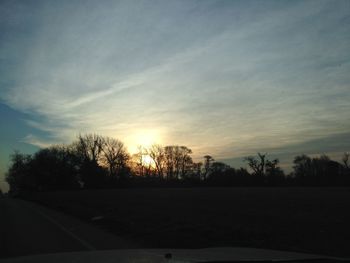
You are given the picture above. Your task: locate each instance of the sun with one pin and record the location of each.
(143, 138)
(146, 138)
(147, 160)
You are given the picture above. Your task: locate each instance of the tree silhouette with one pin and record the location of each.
(197, 169)
(302, 166)
(265, 171)
(169, 161)
(272, 168)
(18, 175)
(186, 160)
(54, 168)
(90, 147)
(138, 160)
(257, 163)
(114, 156)
(94, 161)
(319, 171)
(48, 169)
(207, 164)
(157, 153)
(173, 159)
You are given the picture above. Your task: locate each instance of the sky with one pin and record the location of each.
(225, 78)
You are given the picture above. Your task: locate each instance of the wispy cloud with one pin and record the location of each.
(34, 140)
(224, 78)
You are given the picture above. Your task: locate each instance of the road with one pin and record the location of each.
(27, 229)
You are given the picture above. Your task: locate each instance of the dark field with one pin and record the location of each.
(313, 220)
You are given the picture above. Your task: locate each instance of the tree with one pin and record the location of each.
(114, 156)
(265, 171)
(169, 161)
(317, 171)
(302, 166)
(88, 149)
(51, 168)
(186, 160)
(18, 175)
(257, 164)
(219, 167)
(272, 168)
(90, 146)
(207, 164)
(275, 175)
(157, 154)
(138, 160)
(197, 167)
(177, 160)
(174, 160)
(55, 168)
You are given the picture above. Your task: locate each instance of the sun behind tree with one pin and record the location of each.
(147, 160)
(144, 138)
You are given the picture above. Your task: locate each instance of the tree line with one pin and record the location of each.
(94, 161)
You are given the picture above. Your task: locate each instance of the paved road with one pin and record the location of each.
(27, 228)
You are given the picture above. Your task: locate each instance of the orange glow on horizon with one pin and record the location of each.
(143, 138)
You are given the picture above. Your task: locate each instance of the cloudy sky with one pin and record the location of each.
(228, 78)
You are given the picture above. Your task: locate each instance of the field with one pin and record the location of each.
(299, 219)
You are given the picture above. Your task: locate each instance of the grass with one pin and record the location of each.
(315, 220)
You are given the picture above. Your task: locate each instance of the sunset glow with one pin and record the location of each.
(143, 138)
(147, 160)
(172, 127)
(229, 78)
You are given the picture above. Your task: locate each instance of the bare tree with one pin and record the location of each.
(137, 161)
(177, 160)
(157, 154)
(207, 164)
(114, 155)
(186, 160)
(257, 164)
(89, 146)
(197, 167)
(273, 169)
(169, 161)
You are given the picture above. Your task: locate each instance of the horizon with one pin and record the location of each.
(225, 78)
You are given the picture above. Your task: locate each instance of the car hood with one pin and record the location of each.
(219, 254)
